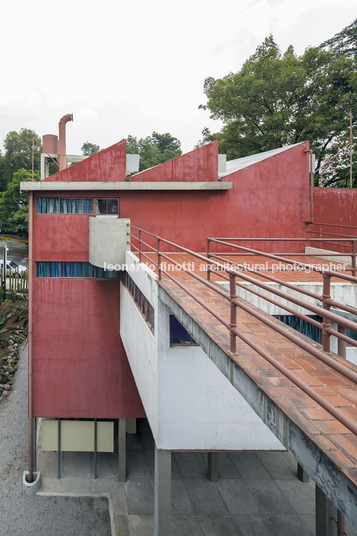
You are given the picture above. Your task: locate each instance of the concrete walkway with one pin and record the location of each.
(39, 516)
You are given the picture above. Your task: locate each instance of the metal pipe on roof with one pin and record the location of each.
(62, 140)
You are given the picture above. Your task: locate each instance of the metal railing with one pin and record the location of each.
(233, 273)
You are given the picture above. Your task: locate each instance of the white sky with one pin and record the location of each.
(132, 67)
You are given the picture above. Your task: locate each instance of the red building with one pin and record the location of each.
(78, 364)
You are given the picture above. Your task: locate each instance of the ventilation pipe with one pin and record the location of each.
(62, 140)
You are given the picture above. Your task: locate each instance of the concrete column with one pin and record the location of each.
(122, 450)
(213, 466)
(302, 475)
(326, 515)
(162, 495)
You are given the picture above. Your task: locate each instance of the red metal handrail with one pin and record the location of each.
(232, 325)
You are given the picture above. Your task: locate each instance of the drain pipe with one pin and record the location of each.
(30, 401)
(62, 140)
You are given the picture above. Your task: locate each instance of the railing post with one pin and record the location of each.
(139, 245)
(353, 256)
(208, 264)
(326, 323)
(159, 259)
(233, 322)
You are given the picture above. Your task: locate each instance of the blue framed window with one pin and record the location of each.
(52, 205)
(73, 270)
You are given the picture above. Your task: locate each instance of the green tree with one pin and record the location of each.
(89, 148)
(18, 153)
(280, 98)
(154, 149)
(14, 204)
(344, 42)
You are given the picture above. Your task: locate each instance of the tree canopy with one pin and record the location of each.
(154, 149)
(281, 98)
(14, 204)
(18, 154)
(89, 148)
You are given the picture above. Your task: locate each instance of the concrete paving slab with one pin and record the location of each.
(76, 465)
(278, 464)
(237, 497)
(192, 465)
(291, 525)
(249, 465)
(182, 525)
(212, 525)
(140, 496)
(205, 497)
(137, 465)
(269, 497)
(226, 467)
(180, 499)
(301, 495)
(107, 464)
(141, 525)
(252, 525)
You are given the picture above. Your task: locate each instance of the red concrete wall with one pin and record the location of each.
(335, 205)
(79, 364)
(107, 165)
(269, 199)
(80, 367)
(198, 165)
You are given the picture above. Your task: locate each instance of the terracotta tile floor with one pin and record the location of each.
(323, 429)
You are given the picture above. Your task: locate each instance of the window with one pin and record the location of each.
(73, 270)
(140, 301)
(107, 206)
(47, 205)
(179, 336)
(52, 205)
(76, 206)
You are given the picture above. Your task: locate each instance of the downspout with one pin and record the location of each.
(30, 397)
(62, 140)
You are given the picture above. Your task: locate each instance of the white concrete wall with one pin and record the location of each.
(199, 409)
(109, 239)
(139, 342)
(189, 403)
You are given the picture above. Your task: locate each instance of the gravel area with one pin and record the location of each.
(38, 516)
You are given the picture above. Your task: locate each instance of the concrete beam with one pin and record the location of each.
(107, 185)
(162, 492)
(314, 461)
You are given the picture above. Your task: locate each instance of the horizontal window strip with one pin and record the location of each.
(54, 269)
(53, 205)
(140, 301)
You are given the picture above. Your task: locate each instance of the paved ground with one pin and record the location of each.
(40, 516)
(258, 494)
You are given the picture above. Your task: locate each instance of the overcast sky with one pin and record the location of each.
(137, 66)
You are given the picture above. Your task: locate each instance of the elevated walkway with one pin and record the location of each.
(305, 396)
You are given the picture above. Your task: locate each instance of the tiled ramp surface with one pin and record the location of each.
(320, 443)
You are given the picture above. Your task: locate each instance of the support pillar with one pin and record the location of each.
(302, 475)
(162, 495)
(326, 515)
(213, 466)
(122, 450)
